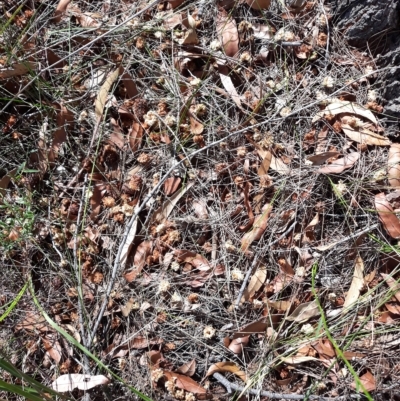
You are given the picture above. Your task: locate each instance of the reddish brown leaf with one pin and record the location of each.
(54, 60)
(175, 3)
(33, 322)
(259, 326)
(321, 158)
(52, 346)
(227, 34)
(135, 136)
(256, 282)
(340, 165)
(171, 185)
(65, 118)
(117, 135)
(195, 259)
(139, 260)
(17, 70)
(185, 382)
(188, 368)
(129, 83)
(5, 181)
(196, 127)
(260, 224)
(367, 380)
(238, 344)
(387, 216)
(394, 165)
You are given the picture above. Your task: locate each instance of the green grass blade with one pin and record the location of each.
(14, 303)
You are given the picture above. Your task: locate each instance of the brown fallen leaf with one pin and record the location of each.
(196, 127)
(259, 326)
(190, 36)
(162, 213)
(359, 133)
(304, 312)
(227, 367)
(259, 226)
(101, 98)
(184, 382)
(297, 359)
(345, 107)
(265, 164)
(387, 216)
(237, 345)
(393, 285)
(259, 4)
(279, 305)
(4, 181)
(135, 136)
(367, 380)
(279, 166)
(171, 185)
(129, 83)
(321, 158)
(188, 368)
(356, 284)
(34, 323)
(52, 346)
(64, 119)
(68, 382)
(340, 165)
(228, 85)
(17, 70)
(394, 165)
(142, 252)
(256, 282)
(175, 3)
(128, 243)
(54, 60)
(60, 10)
(227, 34)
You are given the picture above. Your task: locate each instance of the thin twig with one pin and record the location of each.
(233, 386)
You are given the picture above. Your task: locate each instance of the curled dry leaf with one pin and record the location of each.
(265, 32)
(227, 34)
(259, 4)
(393, 284)
(387, 215)
(394, 165)
(227, 367)
(196, 127)
(279, 305)
(184, 382)
(340, 165)
(237, 345)
(70, 381)
(17, 70)
(357, 131)
(126, 310)
(367, 380)
(259, 226)
(188, 368)
(256, 282)
(117, 135)
(345, 107)
(304, 312)
(356, 284)
(175, 3)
